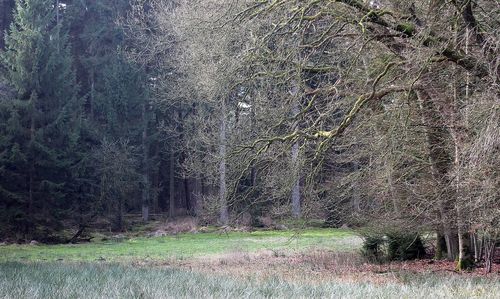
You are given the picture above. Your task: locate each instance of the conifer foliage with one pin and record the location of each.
(40, 131)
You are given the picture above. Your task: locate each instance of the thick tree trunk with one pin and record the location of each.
(439, 159)
(465, 260)
(440, 246)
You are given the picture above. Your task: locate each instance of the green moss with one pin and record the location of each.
(406, 28)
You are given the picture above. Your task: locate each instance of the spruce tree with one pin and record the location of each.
(42, 121)
(115, 88)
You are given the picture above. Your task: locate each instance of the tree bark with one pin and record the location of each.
(465, 260)
(187, 195)
(119, 214)
(489, 254)
(224, 214)
(196, 193)
(156, 190)
(441, 249)
(296, 211)
(171, 185)
(296, 200)
(31, 171)
(145, 175)
(439, 160)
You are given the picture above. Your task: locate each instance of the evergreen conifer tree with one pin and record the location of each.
(42, 127)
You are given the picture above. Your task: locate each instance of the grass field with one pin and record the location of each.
(87, 280)
(183, 246)
(317, 263)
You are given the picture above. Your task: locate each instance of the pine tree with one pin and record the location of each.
(43, 120)
(6, 8)
(115, 88)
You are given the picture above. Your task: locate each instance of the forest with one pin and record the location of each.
(168, 139)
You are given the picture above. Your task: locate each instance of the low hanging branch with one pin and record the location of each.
(360, 102)
(261, 145)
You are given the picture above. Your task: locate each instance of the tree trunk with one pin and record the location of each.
(452, 245)
(439, 158)
(145, 175)
(465, 261)
(296, 201)
(187, 195)
(31, 171)
(478, 247)
(441, 249)
(156, 190)
(296, 212)
(489, 254)
(171, 185)
(57, 12)
(119, 215)
(196, 196)
(356, 199)
(224, 214)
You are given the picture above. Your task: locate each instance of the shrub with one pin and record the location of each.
(393, 247)
(372, 248)
(403, 246)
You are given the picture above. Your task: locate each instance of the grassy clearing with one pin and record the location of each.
(183, 246)
(317, 263)
(92, 280)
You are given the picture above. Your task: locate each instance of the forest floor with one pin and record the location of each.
(293, 264)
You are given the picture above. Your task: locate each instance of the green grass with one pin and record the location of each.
(182, 246)
(78, 271)
(93, 280)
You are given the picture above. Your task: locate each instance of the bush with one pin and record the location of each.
(404, 247)
(373, 248)
(393, 247)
